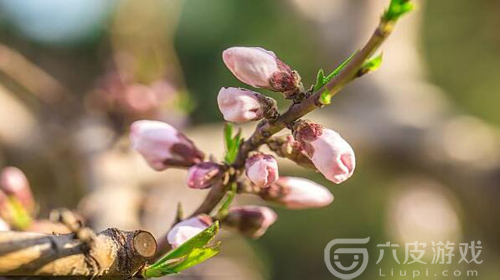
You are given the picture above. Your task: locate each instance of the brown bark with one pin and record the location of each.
(113, 254)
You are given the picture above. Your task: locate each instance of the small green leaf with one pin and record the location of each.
(320, 77)
(163, 269)
(195, 257)
(396, 9)
(190, 253)
(232, 143)
(224, 209)
(325, 98)
(20, 216)
(321, 80)
(228, 134)
(371, 65)
(198, 241)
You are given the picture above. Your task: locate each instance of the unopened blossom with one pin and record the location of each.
(202, 175)
(260, 68)
(185, 230)
(163, 146)
(252, 221)
(14, 183)
(240, 105)
(262, 169)
(329, 152)
(297, 193)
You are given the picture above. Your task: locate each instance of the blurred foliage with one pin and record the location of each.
(462, 46)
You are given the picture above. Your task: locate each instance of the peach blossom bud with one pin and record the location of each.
(3, 225)
(262, 169)
(185, 230)
(260, 68)
(297, 193)
(162, 145)
(239, 105)
(329, 152)
(252, 221)
(14, 183)
(202, 175)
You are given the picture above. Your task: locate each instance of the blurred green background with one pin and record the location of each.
(90, 52)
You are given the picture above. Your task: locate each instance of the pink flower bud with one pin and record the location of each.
(14, 183)
(329, 152)
(185, 230)
(297, 193)
(202, 175)
(260, 68)
(240, 105)
(252, 221)
(163, 146)
(262, 169)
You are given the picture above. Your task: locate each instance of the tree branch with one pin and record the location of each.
(114, 254)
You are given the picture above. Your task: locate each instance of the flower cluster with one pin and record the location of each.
(309, 144)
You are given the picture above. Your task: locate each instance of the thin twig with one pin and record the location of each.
(268, 128)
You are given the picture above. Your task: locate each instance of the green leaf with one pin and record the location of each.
(320, 77)
(228, 135)
(321, 80)
(371, 64)
(190, 253)
(20, 216)
(224, 209)
(396, 9)
(232, 143)
(198, 241)
(195, 257)
(325, 98)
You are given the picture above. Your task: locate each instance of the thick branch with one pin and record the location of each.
(114, 254)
